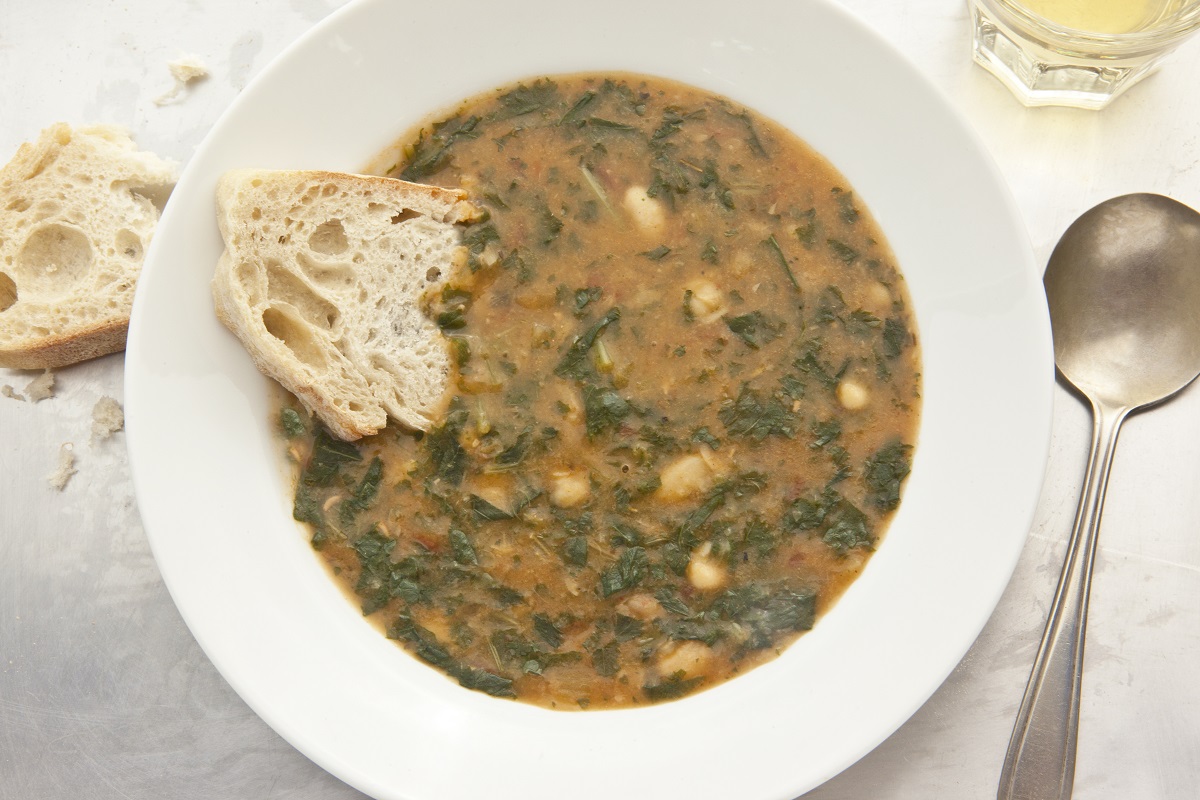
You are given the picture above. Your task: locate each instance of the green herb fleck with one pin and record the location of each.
(328, 456)
(884, 472)
(448, 458)
(825, 432)
(291, 423)
(752, 141)
(861, 323)
(703, 436)
(626, 628)
(364, 493)
(584, 298)
(485, 511)
(628, 571)
(574, 361)
(547, 632)
(848, 528)
(842, 251)
(432, 152)
(527, 99)
(513, 455)
(551, 225)
(847, 211)
(668, 597)
(460, 348)
(603, 409)
(606, 660)
(766, 612)
(773, 244)
(426, 647)
(673, 687)
(575, 551)
(755, 328)
(380, 579)
(830, 306)
(756, 417)
(895, 337)
(808, 229)
(462, 549)
(624, 534)
(575, 114)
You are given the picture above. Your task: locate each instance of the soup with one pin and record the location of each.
(686, 397)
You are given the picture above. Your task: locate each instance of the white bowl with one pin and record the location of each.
(216, 504)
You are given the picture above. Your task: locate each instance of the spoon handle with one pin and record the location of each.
(1040, 764)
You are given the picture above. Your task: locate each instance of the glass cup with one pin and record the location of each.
(1080, 53)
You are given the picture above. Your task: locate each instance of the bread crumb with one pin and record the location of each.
(66, 467)
(184, 70)
(107, 418)
(11, 393)
(40, 388)
(188, 68)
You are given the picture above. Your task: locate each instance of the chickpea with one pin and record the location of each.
(686, 476)
(640, 606)
(853, 395)
(704, 571)
(569, 489)
(647, 212)
(704, 301)
(688, 657)
(490, 256)
(878, 299)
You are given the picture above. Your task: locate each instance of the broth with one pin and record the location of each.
(686, 396)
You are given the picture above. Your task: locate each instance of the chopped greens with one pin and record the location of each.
(842, 251)
(574, 360)
(755, 328)
(446, 453)
(757, 417)
(627, 572)
(291, 423)
(884, 472)
(773, 244)
(525, 100)
(432, 151)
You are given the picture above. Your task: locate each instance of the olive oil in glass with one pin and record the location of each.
(1081, 53)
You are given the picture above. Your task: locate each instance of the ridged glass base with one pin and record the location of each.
(1040, 75)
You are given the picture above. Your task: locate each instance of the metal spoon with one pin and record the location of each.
(1123, 286)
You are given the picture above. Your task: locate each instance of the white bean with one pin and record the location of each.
(685, 477)
(647, 213)
(879, 299)
(640, 606)
(569, 489)
(853, 395)
(704, 301)
(705, 572)
(688, 657)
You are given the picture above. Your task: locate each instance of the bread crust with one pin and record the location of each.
(52, 352)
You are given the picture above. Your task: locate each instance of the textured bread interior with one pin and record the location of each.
(323, 278)
(77, 212)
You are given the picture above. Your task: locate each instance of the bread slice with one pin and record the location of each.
(323, 279)
(77, 210)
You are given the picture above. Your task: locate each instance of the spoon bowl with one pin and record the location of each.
(1123, 287)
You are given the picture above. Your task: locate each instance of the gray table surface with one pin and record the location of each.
(105, 694)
